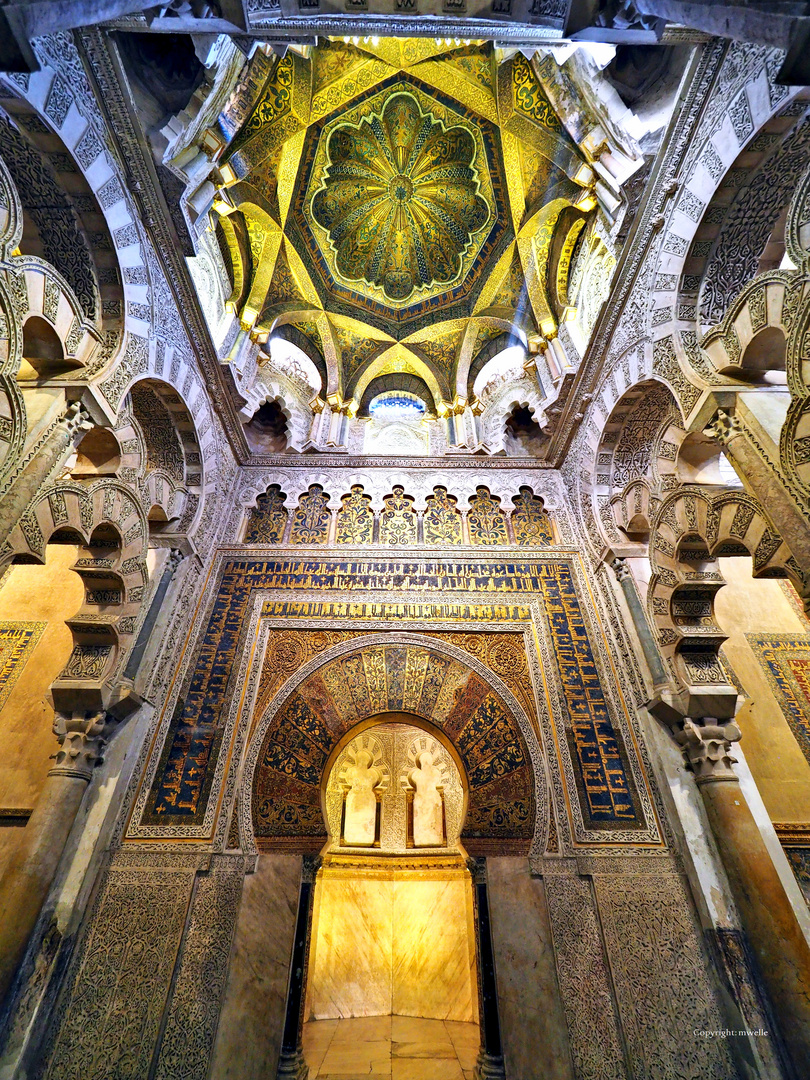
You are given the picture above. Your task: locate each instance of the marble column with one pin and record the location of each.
(31, 871)
(642, 626)
(773, 932)
(765, 483)
(489, 1065)
(291, 1063)
(134, 660)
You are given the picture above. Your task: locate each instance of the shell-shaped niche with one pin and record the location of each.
(394, 788)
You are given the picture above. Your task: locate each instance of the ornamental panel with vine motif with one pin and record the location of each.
(398, 521)
(442, 521)
(486, 521)
(267, 520)
(531, 524)
(355, 519)
(310, 523)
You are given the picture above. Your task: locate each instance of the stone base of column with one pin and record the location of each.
(292, 1066)
(489, 1067)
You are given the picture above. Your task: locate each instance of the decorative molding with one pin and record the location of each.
(137, 166)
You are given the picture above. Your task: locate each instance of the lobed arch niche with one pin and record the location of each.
(442, 689)
(394, 784)
(393, 919)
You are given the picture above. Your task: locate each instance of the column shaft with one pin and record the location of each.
(31, 871)
(291, 1063)
(490, 1058)
(773, 932)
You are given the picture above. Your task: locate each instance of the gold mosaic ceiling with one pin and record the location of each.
(397, 206)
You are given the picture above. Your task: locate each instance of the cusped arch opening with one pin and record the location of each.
(523, 435)
(267, 431)
(98, 454)
(43, 354)
(764, 358)
(394, 783)
(701, 460)
(638, 529)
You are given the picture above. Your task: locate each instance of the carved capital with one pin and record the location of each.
(310, 865)
(82, 738)
(620, 569)
(724, 427)
(478, 870)
(76, 419)
(706, 748)
(176, 556)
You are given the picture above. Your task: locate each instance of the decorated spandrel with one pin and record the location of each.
(355, 519)
(486, 521)
(530, 521)
(266, 521)
(310, 524)
(442, 521)
(398, 521)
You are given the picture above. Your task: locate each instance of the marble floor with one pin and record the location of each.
(398, 1047)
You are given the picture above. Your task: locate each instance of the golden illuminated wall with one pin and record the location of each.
(35, 644)
(769, 651)
(392, 924)
(392, 941)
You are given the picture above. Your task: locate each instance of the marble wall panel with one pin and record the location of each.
(248, 1037)
(529, 1004)
(392, 942)
(433, 948)
(352, 945)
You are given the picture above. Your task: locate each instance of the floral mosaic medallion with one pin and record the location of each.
(400, 199)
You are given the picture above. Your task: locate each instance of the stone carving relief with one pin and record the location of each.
(363, 782)
(394, 788)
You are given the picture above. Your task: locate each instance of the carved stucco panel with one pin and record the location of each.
(109, 1021)
(198, 991)
(584, 980)
(661, 978)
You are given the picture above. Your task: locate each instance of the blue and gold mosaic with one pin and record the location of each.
(375, 680)
(605, 786)
(786, 662)
(17, 641)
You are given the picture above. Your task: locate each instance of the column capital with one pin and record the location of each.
(82, 738)
(620, 568)
(76, 419)
(176, 556)
(310, 866)
(706, 747)
(724, 427)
